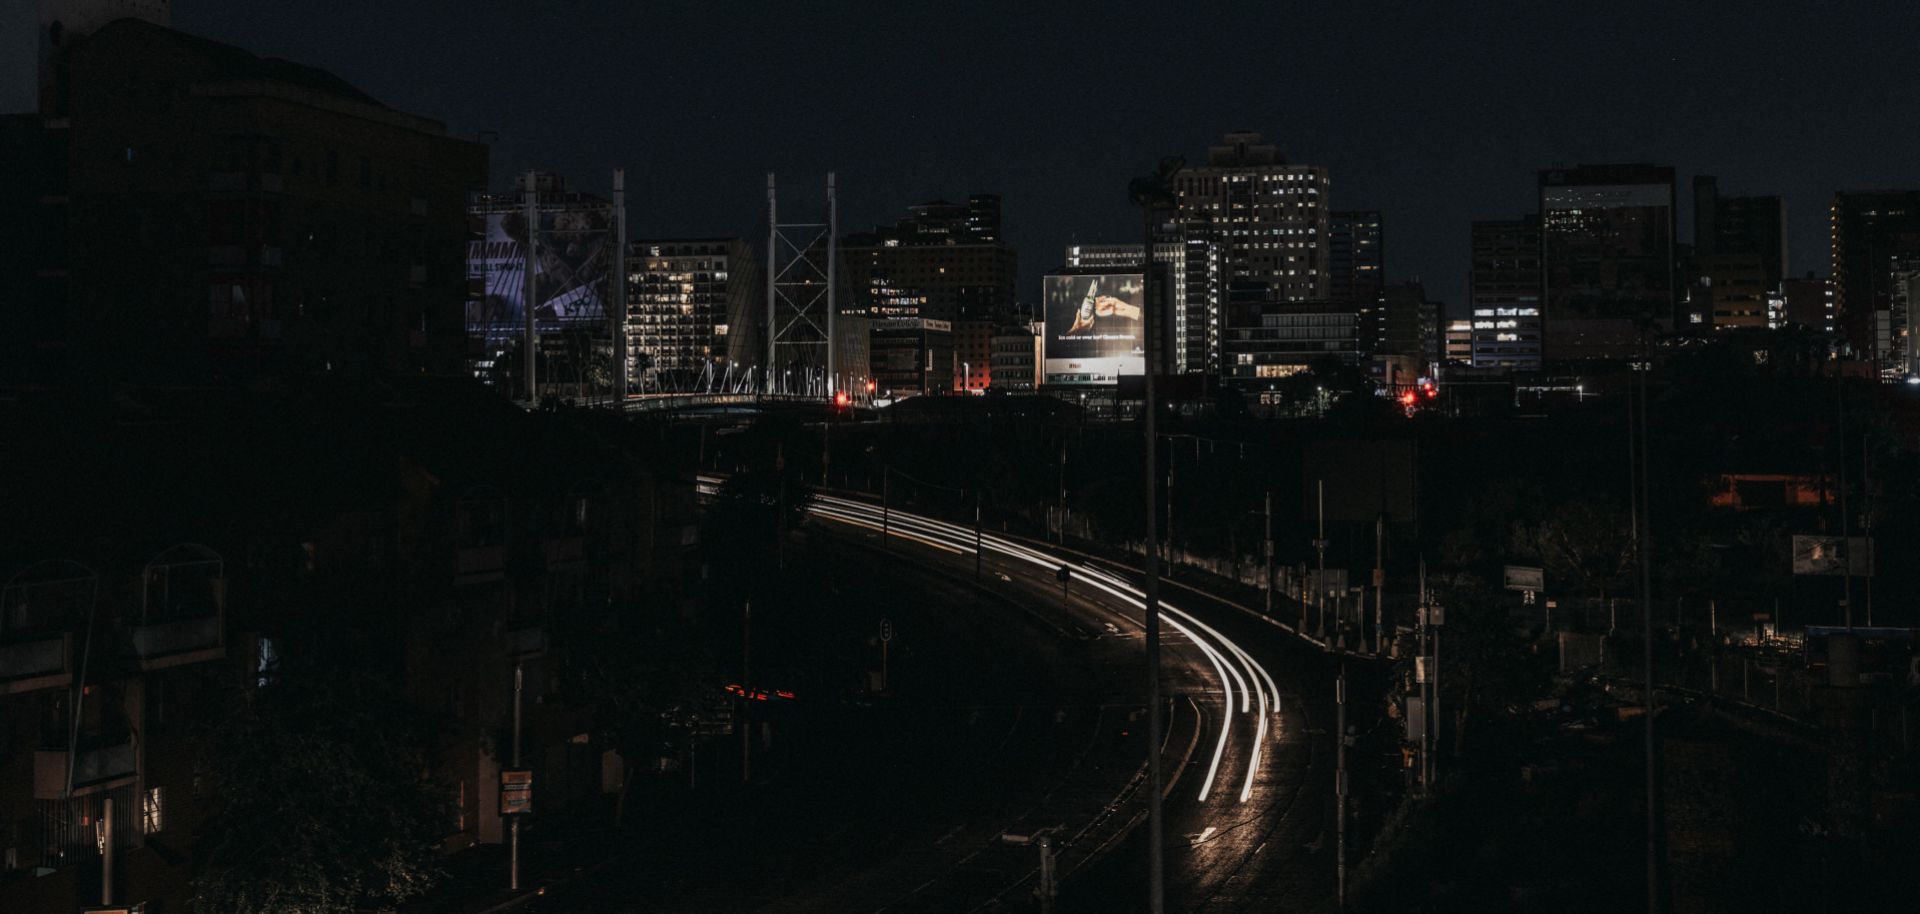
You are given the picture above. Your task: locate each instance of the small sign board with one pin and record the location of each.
(1833, 555)
(1525, 577)
(1063, 574)
(516, 791)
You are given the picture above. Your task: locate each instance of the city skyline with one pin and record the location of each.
(710, 457)
(977, 107)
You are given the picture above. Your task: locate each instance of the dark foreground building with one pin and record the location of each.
(429, 528)
(210, 212)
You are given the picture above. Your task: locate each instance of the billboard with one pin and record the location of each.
(573, 253)
(1525, 577)
(1092, 331)
(1833, 555)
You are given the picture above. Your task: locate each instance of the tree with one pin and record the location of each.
(1588, 540)
(1490, 667)
(320, 804)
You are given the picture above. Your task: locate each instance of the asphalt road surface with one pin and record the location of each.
(1013, 712)
(1249, 811)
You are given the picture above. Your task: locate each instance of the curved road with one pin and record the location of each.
(1248, 814)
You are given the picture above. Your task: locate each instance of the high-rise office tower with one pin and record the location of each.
(1739, 253)
(1356, 259)
(1192, 262)
(1743, 227)
(1269, 216)
(945, 261)
(1409, 323)
(1808, 302)
(1505, 293)
(1607, 252)
(687, 300)
(1870, 231)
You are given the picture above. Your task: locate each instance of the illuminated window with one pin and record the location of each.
(152, 811)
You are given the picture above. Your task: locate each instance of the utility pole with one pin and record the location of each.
(1426, 684)
(1435, 676)
(1063, 487)
(1169, 546)
(1340, 784)
(1066, 608)
(106, 850)
(1149, 193)
(976, 536)
(1846, 544)
(886, 514)
(1320, 547)
(1047, 888)
(1301, 586)
(1268, 547)
(746, 684)
(513, 825)
(530, 346)
(1646, 636)
(1379, 584)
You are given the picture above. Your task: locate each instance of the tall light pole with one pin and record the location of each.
(1151, 193)
(1646, 639)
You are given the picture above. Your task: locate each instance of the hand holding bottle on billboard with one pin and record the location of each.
(1108, 306)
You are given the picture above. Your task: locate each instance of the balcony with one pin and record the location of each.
(474, 564)
(183, 609)
(94, 770)
(182, 641)
(36, 662)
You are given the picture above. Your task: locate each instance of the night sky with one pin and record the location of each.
(1433, 114)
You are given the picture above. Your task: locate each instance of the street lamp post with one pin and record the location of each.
(1150, 193)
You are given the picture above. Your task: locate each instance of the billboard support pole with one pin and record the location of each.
(619, 287)
(529, 355)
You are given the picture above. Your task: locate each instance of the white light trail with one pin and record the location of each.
(1228, 659)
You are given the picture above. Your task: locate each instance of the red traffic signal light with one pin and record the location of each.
(840, 398)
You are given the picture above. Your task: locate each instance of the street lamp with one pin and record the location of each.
(1150, 193)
